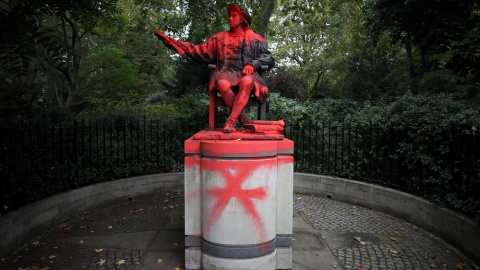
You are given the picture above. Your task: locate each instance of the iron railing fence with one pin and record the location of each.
(402, 159)
(38, 159)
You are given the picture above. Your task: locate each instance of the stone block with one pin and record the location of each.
(44, 217)
(303, 183)
(285, 195)
(284, 258)
(267, 262)
(192, 196)
(193, 258)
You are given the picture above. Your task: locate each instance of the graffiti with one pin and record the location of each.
(233, 193)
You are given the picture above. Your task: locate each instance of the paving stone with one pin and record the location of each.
(147, 233)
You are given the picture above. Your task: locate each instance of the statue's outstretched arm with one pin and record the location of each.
(169, 42)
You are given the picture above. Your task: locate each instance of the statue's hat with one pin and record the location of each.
(243, 13)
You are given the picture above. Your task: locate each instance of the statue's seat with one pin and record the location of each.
(216, 101)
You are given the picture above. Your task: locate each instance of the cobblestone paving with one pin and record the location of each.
(365, 239)
(62, 247)
(378, 241)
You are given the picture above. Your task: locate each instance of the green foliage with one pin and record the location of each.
(312, 111)
(287, 83)
(420, 143)
(110, 74)
(436, 34)
(312, 38)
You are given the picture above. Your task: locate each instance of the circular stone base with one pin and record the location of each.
(267, 262)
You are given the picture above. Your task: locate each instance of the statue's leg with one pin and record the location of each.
(224, 87)
(245, 85)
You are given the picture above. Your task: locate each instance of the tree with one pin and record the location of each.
(262, 21)
(432, 31)
(313, 37)
(50, 40)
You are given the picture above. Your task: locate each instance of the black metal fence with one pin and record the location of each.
(38, 159)
(402, 159)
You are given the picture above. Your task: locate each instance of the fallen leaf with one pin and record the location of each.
(98, 250)
(308, 214)
(393, 239)
(36, 243)
(177, 268)
(52, 256)
(392, 251)
(159, 261)
(359, 239)
(460, 265)
(110, 227)
(433, 265)
(300, 197)
(315, 202)
(120, 262)
(102, 261)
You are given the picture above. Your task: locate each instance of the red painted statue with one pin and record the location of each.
(238, 55)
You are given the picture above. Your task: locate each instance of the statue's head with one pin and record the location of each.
(246, 19)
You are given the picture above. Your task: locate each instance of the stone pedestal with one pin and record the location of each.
(238, 202)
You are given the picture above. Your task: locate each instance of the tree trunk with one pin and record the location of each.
(416, 74)
(263, 17)
(411, 65)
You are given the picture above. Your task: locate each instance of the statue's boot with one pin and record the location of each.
(244, 120)
(230, 125)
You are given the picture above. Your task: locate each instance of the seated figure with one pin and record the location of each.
(238, 55)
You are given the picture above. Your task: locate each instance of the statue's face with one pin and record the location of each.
(235, 20)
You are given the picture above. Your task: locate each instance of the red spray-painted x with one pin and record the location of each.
(233, 189)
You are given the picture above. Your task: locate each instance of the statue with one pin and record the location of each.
(238, 55)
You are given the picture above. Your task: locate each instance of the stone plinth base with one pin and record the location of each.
(238, 202)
